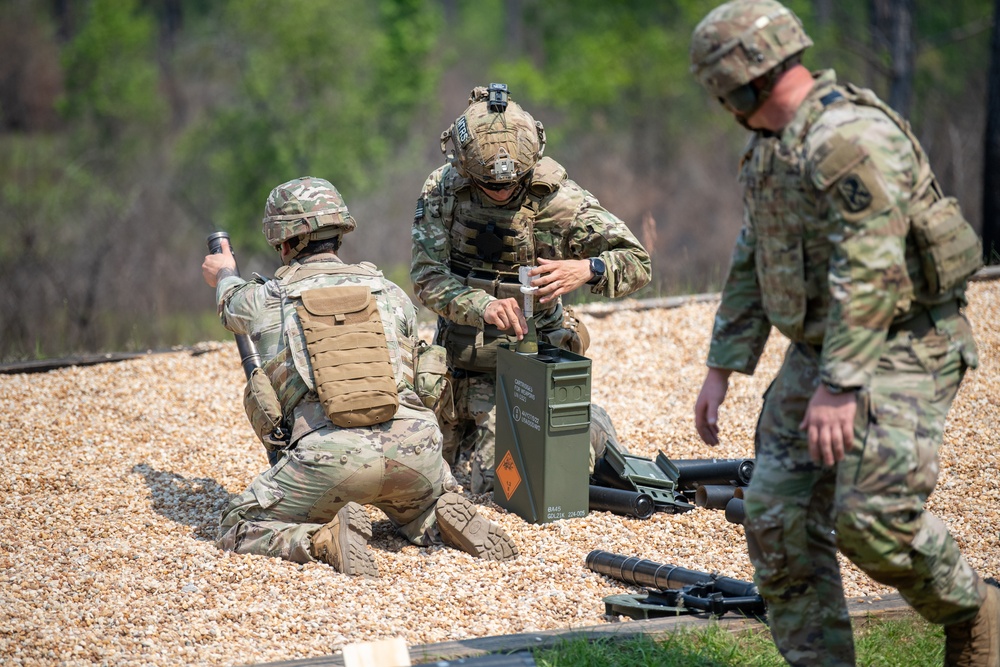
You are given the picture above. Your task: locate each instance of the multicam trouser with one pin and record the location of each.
(870, 505)
(395, 466)
(472, 427)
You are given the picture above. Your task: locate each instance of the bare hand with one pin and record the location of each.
(216, 262)
(706, 408)
(829, 421)
(555, 277)
(506, 314)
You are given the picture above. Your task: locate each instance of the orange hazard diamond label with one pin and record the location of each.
(508, 475)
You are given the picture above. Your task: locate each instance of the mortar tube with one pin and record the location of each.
(249, 356)
(735, 512)
(621, 502)
(713, 496)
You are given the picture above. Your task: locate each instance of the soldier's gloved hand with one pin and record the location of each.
(706, 408)
(506, 315)
(829, 421)
(555, 277)
(214, 263)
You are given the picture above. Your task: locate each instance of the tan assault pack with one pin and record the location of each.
(349, 356)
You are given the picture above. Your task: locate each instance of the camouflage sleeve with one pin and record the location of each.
(403, 309)
(864, 167)
(434, 285)
(239, 303)
(741, 328)
(593, 231)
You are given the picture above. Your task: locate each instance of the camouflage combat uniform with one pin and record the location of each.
(824, 256)
(395, 466)
(457, 276)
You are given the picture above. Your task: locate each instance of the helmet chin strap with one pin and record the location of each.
(302, 241)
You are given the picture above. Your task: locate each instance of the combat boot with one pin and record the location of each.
(343, 543)
(463, 528)
(976, 642)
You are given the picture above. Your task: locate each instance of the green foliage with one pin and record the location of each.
(260, 92)
(712, 647)
(403, 75)
(39, 188)
(324, 88)
(111, 71)
(907, 642)
(609, 63)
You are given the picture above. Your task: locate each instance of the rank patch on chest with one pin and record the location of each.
(856, 195)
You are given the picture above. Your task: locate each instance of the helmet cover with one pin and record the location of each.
(742, 40)
(305, 206)
(496, 141)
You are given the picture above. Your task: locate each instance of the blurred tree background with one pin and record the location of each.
(130, 129)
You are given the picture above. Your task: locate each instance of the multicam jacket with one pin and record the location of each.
(554, 218)
(823, 254)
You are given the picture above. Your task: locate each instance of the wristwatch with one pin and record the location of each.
(597, 267)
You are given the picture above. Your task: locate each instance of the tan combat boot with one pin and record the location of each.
(976, 642)
(343, 543)
(464, 529)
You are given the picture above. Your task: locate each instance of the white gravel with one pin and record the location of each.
(112, 478)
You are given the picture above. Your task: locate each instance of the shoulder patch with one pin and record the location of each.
(857, 196)
(418, 214)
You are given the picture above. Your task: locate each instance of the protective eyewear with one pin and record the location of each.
(743, 100)
(497, 187)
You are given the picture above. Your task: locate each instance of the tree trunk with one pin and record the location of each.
(991, 153)
(901, 52)
(823, 10)
(892, 30)
(514, 25)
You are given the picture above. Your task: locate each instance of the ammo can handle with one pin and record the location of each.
(569, 377)
(571, 408)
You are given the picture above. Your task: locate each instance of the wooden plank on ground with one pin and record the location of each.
(862, 610)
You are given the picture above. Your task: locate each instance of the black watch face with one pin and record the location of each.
(597, 266)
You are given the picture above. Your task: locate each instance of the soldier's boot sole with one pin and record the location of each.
(976, 642)
(345, 544)
(463, 528)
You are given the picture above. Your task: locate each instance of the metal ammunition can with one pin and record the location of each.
(542, 433)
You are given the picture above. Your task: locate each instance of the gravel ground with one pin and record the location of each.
(113, 478)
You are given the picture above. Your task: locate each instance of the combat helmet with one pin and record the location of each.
(496, 141)
(307, 209)
(740, 41)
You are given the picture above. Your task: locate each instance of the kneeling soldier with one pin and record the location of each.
(338, 343)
